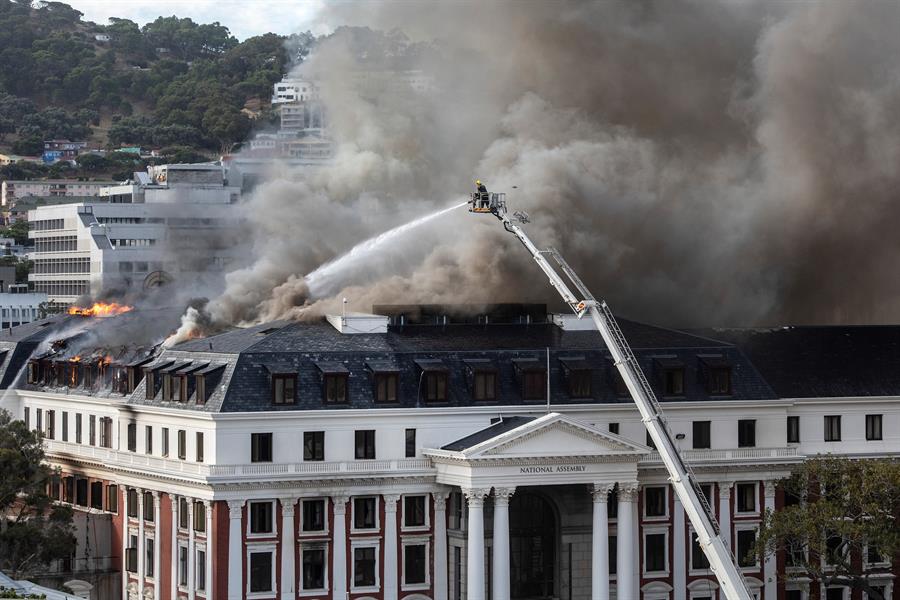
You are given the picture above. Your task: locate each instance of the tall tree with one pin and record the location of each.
(33, 530)
(842, 515)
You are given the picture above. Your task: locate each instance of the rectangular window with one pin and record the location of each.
(97, 495)
(613, 554)
(414, 564)
(534, 384)
(131, 557)
(81, 492)
(200, 385)
(580, 383)
(283, 389)
(364, 516)
(484, 385)
(27, 418)
(386, 387)
(314, 445)
(410, 445)
(260, 517)
(719, 382)
(148, 439)
(335, 386)
(167, 387)
(414, 508)
(702, 435)
(201, 570)
(150, 379)
(148, 556)
(260, 447)
(746, 551)
(313, 516)
(132, 504)
(746, 433)
(199, 446)
(164, 441)
(365, 444)
(746, 497)
(313, 568)
(832, 428)
(182, 513)
(793, 430)
(260, 572)
(106, 432)
(364, 567)
(112, 498)
(655, 552)
(51, 425)
(199, 516)
(614, 428)
(873, 427)
(65, 426)
(78, 428)
(655, 501)
(435, 386)
(182, 565)
(699, 562)
(149, 512)
(39, 420)
(673, 382)
(132, 436)
(92, 431)
(182, 444)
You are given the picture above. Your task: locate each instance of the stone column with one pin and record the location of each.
(440, 544)
(288, 548)
(679, 551)
(725, 512)
(157, 540)
(391, 589)
(192, 552)
(475, 548)
(209, 555)
(626, 569)
(235, 550)
(140, 551)
(500, 570)
(769, 574)
(600, 542)
(339, 538)
(174, 557)
(125, 536)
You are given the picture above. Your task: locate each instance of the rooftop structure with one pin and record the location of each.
(355, 455)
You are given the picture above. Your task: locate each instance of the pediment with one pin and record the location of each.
(554, 435)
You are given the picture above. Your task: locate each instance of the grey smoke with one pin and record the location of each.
(697, 163)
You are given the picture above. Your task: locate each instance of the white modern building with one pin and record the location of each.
(12, 190)
(416, 457)
(292, 89)
(19, 306)
(172, 221)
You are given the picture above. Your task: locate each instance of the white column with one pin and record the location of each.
(235, 550)
(192, 552)
(288, 548)
(725, 512)
(626, 569)
(125, 537)
(339, 539)
(157, 540)
(140, 550)
(174, 558)
(600, 542)
(209, 554)
(475, 548)
(440, 545)
(500, 570)
(769, 575)
(679, 552)
(391, 589)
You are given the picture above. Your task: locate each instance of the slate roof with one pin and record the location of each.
(823, 361)
(500, 427)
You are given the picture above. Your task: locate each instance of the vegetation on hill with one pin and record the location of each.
(172, 82)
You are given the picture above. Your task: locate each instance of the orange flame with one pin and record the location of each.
(100, 309)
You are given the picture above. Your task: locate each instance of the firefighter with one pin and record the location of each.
(483, 197)
(480, 187)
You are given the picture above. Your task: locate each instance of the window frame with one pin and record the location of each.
(696, 439)
(376, 512)
(273, 520)
(364, 455)
(182, 444)
(426, 517)
(828, 429)
(409, 443)
(381, 380)
(742, 442)
(325, 510)
(336, 381)
(793, 429)
(405, 544)
(692, 536)
(741, 528)
(527, 387)
(269, 549)
(488, 392)
(737, 497)
(665, 495)
(255, 453)
(871, 421)
(318, 443)
(283, 378)
(322, 546)
(648, 531)
(148, 439)
(199, 446)
(576, 377)
(669, 377)
(374, 543)
(441, 382)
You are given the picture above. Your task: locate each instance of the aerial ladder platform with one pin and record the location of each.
(722, 562)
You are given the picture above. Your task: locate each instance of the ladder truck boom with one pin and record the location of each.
(683, 481)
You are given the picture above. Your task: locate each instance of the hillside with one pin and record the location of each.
(172, 84)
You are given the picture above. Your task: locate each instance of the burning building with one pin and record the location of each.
(355, 456)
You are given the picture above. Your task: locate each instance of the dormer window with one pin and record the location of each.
(532, 378)
(482, 377)
(716, 371)
(671, 371)
(335, 378)
(385, 381)
(283, 388)
(579, 375)
(433, 380)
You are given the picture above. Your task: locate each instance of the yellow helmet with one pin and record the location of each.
(477, 182)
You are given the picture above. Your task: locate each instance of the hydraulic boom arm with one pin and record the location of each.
(684, 483)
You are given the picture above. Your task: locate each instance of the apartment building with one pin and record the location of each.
(12, 190)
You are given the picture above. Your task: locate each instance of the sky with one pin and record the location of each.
(244, 18)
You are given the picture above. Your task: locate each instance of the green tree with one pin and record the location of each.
(33, 530)
(227, 126)
(846, 508)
